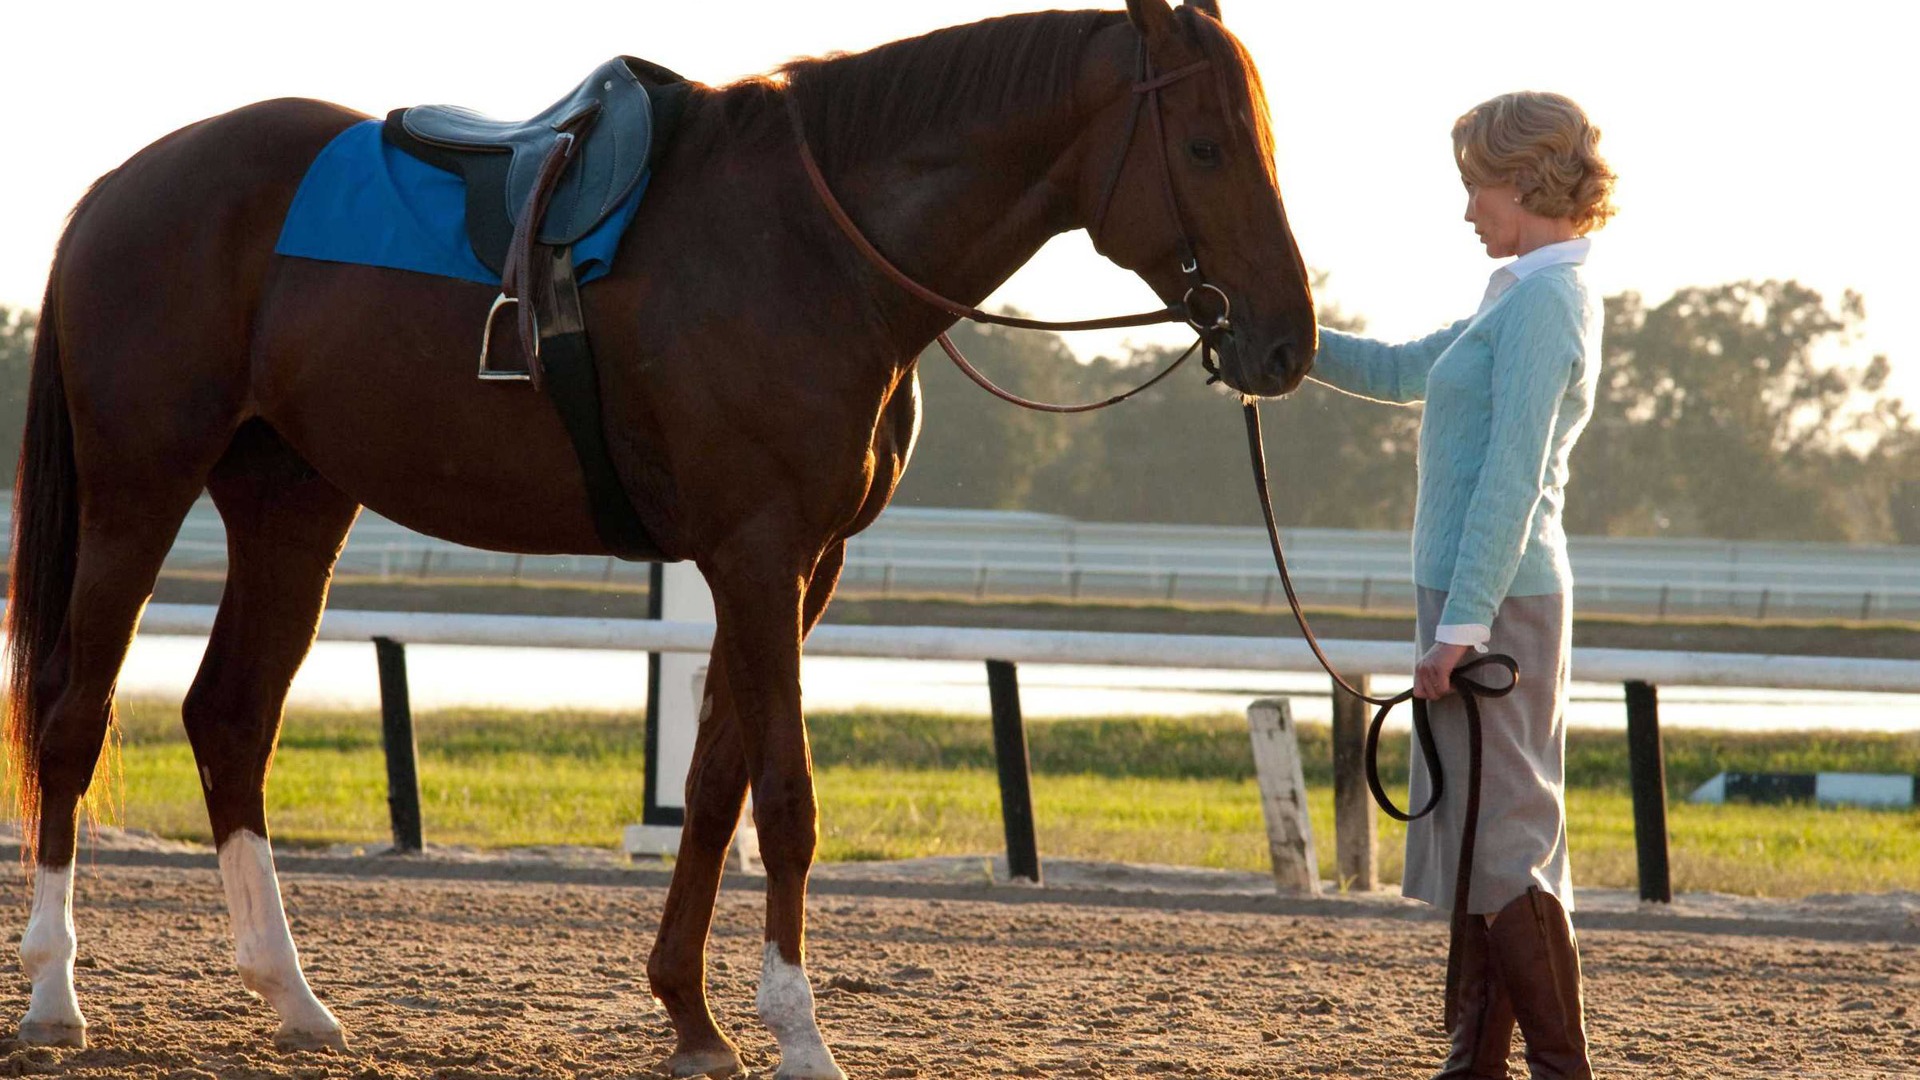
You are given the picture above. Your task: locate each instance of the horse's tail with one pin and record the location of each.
(46, 528)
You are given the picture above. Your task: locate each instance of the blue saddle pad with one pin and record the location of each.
(365, 202)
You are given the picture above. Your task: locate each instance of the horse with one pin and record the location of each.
(759, 403)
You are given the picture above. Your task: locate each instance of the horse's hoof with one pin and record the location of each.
(42, 1033)
(719, 1062)
(292, 1040)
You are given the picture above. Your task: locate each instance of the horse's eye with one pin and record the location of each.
(1204, 152)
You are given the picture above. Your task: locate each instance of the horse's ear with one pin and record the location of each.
(1151, 17)
(1211, 7)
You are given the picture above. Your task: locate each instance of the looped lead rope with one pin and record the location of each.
(1471, 691)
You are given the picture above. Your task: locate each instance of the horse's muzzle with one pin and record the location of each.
(1277, 370)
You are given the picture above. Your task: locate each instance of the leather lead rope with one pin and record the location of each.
(1471, 691)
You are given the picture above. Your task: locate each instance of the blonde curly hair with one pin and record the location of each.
(1544, 145)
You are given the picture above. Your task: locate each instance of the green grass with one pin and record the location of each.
(1138, 790)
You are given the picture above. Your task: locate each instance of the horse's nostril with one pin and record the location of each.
(1280, 357)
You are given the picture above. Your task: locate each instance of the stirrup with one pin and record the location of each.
(488, 374)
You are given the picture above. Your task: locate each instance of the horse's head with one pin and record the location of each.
(1211, 150)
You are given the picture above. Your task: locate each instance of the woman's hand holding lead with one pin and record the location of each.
(1433, 678)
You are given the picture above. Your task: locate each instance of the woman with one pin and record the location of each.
(1507, 393)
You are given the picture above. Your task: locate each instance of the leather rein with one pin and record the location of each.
(1147, 90)
(1209, 325)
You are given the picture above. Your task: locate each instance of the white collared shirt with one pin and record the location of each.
(1566, 251)
(1506, 277)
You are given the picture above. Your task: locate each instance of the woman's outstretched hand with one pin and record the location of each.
(1433, 678)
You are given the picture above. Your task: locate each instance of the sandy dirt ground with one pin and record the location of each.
(502, 978)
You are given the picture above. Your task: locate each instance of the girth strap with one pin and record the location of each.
(572, 382)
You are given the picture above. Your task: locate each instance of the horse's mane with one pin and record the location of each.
(853, 104)
(857, 104)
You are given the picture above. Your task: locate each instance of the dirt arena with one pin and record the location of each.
(485, 977)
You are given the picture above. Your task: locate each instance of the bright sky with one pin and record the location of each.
(1753, 140)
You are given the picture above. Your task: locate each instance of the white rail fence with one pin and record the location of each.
(1642, 672)
(992, 554)
(1219, 652)
(1784, 590)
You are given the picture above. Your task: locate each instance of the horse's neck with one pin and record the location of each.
(961, 218)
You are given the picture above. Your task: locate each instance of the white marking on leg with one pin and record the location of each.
(47, 950)
(263, 945)
(785, 1003)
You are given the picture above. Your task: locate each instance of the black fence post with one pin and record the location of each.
(1010, 754)
(396, 737)
(1647, 766)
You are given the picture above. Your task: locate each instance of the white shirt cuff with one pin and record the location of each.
(1464, 634)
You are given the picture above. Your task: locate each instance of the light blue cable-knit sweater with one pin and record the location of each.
(1507, 392)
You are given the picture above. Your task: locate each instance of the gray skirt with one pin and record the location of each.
(1523, 811)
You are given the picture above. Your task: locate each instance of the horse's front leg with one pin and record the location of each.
(759, 598)
(677, 970)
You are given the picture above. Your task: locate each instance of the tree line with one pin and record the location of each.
(1715, 418)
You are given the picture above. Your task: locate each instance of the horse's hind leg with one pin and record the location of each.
(285, 527)
(126, 537)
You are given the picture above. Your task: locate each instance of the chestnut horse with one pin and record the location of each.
(759, 396)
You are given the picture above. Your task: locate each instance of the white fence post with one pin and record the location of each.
(1283, 796)
(1356, 831)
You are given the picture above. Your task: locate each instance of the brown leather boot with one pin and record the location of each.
(1538, 961)
(1479, 1016)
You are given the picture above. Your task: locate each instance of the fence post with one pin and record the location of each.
(1355, 829)
(1647, 766)
(1010, 754)
(1283, 796)
(396, 737)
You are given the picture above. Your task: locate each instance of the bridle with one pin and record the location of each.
(1146, 90)
(1209, 326)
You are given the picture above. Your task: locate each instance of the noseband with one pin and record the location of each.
(1210, 327)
